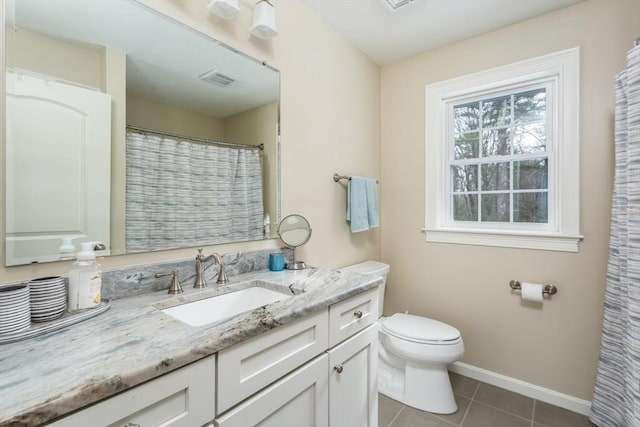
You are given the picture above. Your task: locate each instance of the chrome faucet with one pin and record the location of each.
(201, 260)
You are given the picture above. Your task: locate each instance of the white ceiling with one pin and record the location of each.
(388, 36)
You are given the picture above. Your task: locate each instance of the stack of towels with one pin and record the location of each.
(362, 204)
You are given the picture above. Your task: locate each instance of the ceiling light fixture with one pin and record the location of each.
(263, 24)
(396, 4)
(225, 9)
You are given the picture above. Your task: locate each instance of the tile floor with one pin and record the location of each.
(481, 405)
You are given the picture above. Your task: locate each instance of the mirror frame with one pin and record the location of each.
(308, 228)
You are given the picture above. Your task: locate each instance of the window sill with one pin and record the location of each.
(520, 240)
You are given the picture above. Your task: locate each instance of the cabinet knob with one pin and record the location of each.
(358, 314)
(338, 368)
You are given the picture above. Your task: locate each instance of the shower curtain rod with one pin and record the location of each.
(198, 140)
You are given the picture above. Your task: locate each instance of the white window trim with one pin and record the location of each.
(564, 235)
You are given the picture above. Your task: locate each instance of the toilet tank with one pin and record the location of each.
(374, 268)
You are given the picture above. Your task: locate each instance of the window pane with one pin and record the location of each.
(529, 106)
(496, 112)
(466, 117)
(466, 146)
(530, 207)
(495, 207)
(529, 138)
(531, 174)
(465, 207)
(464, 178)
(495, 142)
(495, 176)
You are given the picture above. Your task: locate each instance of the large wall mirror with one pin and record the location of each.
(131, 130)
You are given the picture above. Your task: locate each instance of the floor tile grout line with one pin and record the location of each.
(533, 412)
(464, 417)
(397, 415)
(439, 417)
(473, 397)
(502, 410)
(425, 412)
(506, 411)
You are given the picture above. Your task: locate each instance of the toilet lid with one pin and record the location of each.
(420, 329)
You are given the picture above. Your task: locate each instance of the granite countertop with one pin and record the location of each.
(46, 377)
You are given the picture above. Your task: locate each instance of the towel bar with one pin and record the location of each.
(548, 289)
(337, 178)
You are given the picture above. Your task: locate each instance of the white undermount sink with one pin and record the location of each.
(224, 306)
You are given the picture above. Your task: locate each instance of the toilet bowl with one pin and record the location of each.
(413, 354)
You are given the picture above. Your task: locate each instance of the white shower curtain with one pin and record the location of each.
(181, 193)
(616, 399)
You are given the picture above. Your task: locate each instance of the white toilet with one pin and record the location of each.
(414, 352)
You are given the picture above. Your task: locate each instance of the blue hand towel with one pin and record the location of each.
(362, 204)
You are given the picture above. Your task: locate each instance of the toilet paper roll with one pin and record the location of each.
(532, 292)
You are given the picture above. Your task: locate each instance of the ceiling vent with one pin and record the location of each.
(397, 4)
(216, 78)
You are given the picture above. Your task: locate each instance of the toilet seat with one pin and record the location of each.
(420, 330)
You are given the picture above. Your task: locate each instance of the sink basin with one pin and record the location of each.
(224, 306)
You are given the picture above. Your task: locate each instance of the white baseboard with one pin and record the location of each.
(527, 389)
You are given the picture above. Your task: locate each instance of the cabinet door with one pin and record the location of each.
(59, 171)
(353, 381)
(182, 398)
(246, 367)
(299, 399)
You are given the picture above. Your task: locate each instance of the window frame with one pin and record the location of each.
(548, 153)
(560, 71)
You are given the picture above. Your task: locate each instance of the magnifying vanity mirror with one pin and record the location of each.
(127, 128)
(294, 231)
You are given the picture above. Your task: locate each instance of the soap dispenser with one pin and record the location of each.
(85, 280)
(67, 249)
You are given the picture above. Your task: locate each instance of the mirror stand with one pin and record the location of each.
(294, 231)
(295, 265)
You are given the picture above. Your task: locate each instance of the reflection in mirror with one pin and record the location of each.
(294, 231)
(128, 128)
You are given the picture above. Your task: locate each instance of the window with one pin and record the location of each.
(502, 156)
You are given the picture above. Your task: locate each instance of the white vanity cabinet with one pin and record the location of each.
(300, 399)
(320, 370)
(337, 388)
(249, 366)
(182, 398)
(353, 380)
(353, 361)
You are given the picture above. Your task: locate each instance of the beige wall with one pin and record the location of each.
(330, 123)
(150, 114)
(467, 286)
(258, 126)
(46, 55)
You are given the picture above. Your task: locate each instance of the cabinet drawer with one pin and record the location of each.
(247, 367)
(352, 315)
(299, 399)
(184, 397)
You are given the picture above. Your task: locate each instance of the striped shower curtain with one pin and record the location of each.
(616, 398)
(182, 193)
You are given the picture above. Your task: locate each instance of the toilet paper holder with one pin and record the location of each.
(547, 289)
